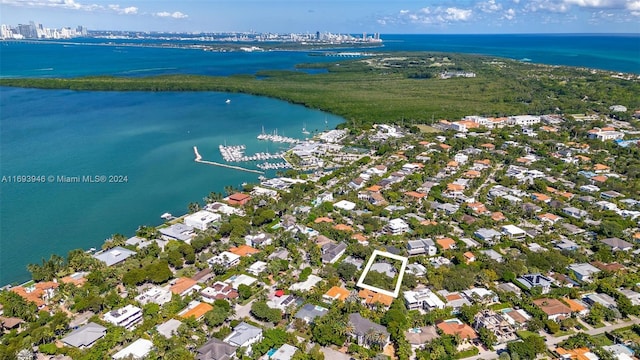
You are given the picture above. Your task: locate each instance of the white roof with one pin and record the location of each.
(312, 280)
(345, 205)
(139, 349)
(512, 229)
(241, 279)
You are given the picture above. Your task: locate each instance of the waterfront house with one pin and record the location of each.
(114, 256)
(201, 220)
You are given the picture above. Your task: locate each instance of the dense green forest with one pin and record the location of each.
(400, 88)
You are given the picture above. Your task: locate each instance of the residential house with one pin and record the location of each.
(554, 308)
(169, 328)
(469, 257)
(215, 349)
(336, 293)
(257, 267)
(509, 287)
(243, 250)
(226, 259)
(356, 183)
(331, 252)
(455, 327)
(488, 236)
(217, 291)
(244, 335)
(137, 350)
(574, 212)
(397, 227)
(513, 232)
(154, 294)
(423, 299)
(447, 243)
(258, 240)
(536, 280)
(422, 246)
(281, 301)
(181, 232)
(309, 312)
(344, 205)
(238, 199)
(184, 286)
(39, 293)
(480, 295)
(201, 220)
(602, 299)
(583, 271)
(577, 306)
(85, 336)
(114, 255)
(497, 323)
(365, 332)
(617, 244)
(633, 296)
(417, 337)
(576, 354)
(284, 352)
(372, 298)
(493, 255)
(127, 317)
(454, 300)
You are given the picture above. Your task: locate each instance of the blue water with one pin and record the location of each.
(148, 137)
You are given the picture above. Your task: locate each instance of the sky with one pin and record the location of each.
(337, 16)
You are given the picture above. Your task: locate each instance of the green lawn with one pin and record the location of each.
(601, 340)
(524, 334)
(428, 129)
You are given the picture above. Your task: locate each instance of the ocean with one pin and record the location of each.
(149, 137)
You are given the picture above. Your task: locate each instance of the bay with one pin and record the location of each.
(147, 137)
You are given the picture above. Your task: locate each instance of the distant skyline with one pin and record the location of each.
(340, 16)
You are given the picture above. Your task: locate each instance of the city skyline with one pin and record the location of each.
(282, 16)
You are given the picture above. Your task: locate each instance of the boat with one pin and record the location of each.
(304, 129)
(228, 101)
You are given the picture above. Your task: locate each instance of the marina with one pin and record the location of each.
(277, 138)
(198, 159)
(235, 153)
(274, 166)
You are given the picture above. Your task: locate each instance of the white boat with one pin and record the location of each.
(304, 129)
(228, 101)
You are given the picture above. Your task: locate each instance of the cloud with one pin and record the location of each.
(489, 7)
(131, 10)
(456, 14)
(509, 14)
(175, 14)
(428, 16)
(75, 5)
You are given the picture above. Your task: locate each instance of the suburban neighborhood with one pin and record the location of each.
(510, 237)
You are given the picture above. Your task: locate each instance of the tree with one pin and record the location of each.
(347, 271)
(193, 207)
(261, 311)
(487, 337)
(244, 291)
(216, 317)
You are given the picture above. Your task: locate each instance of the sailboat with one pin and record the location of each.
(304, 129)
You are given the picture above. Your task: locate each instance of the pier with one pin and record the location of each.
(198, 159)
(277, 138)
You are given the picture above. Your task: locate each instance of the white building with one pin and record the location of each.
(513, 232)
(156, 295)
(345, 205)
(201, 220)
(139, 349)
(397, 227)
(523, 120)
(227, 259)
(423, 299)
(127, 316)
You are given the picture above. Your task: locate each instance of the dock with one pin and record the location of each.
(198, 159)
